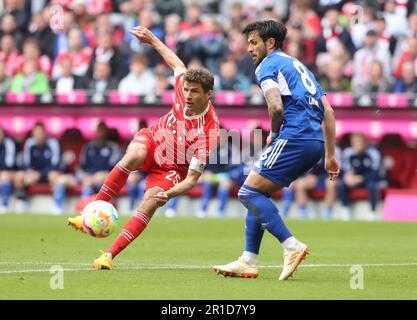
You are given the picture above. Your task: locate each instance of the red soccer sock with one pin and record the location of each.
(114, 182)
(130, 232)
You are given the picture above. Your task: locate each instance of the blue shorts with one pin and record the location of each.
(286, 160)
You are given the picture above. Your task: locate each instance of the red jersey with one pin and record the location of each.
(180, 137)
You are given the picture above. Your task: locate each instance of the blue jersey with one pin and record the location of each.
(300, 92)
(42, 158)
(95, 157)
(7, 154)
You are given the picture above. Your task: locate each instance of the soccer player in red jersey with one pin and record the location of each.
(173, 151)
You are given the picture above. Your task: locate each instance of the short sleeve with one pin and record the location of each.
(266, 70)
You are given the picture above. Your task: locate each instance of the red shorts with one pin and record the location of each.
(158, 176)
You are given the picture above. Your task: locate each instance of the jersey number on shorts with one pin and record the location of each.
(173, 176)
(305, 78)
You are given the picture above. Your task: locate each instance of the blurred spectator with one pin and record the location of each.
(96, 160)
(336, 52)
(9, 26)
(192, 24)
(30, 80)
(363, 59)
(385, 40)
(146, 18)
(395, 15)
(41, 163)
(296, 35)
(102, 24)
(409, 53)
(268, 12)
(5, 79)
(301, 13)
(62, 35)
(32, 51)
(209, 46)
(40, 30)
(92, 7)
(230, 79)
(238, 52)
(314, 179)
(362, 167)
(408, 81)
(140, 80)
(162, 83)
(236, 18)
(7, 167)
(360, 19)
(333, 31)
(295, 49)
(79, 54)
(17, 9)
(102, 81)
(173, 36)
(68, 82)
(168, 7)
(9, 54)
(106, 52)
(334, 80)
(378, 81)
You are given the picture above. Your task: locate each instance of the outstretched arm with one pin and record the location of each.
(183, 187)
(329, 129)
(146, 36)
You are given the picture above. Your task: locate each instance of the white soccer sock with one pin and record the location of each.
(109, 255)
(290, 244)
(250, 258)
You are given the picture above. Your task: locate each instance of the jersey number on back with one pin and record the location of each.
(305, 78)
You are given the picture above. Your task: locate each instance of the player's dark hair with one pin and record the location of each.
(201, 76)
(268, 29)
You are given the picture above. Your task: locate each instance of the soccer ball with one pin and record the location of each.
(99, 218)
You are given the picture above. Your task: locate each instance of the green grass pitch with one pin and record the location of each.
(173, 258)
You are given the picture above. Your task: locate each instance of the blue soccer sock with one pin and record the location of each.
(265, 212)
(86, 192)
(141, 190)
(328, 212)
(132, 191)
(302, 211)
(172, 203)
(223, 195)
(59, 195)
(253, 233)
(6, 191)
(205, 198)
(287, 199)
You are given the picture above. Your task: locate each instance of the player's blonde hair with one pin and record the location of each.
(201, 76)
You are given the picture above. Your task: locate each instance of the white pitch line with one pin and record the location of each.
(165, 266)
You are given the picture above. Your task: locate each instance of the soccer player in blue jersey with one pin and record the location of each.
(295, 99)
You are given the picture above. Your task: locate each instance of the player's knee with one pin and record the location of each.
(134, 157)
(244, 196)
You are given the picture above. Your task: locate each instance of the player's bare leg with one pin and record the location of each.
(133, 228)
(133, 159)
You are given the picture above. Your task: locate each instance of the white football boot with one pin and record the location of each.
(238, 268)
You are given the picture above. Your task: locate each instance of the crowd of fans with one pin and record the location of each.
(40, 159)
(365, 46)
